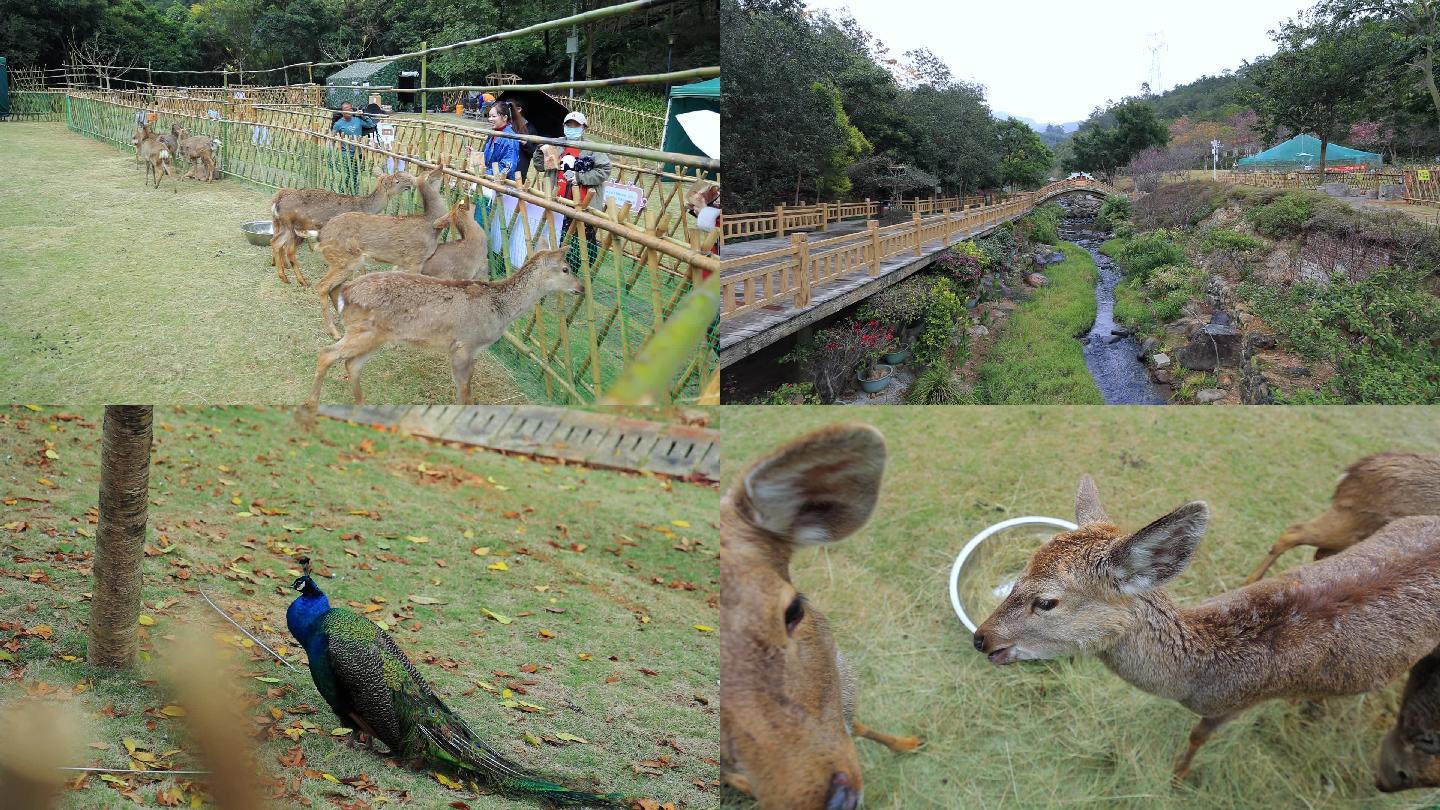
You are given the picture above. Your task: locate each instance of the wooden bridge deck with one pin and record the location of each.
(749, 332)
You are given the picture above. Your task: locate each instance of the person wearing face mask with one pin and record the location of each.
(580, 176)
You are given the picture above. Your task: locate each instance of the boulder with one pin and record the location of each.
(1149, 345)
(1258, 340)
(978, 331)
(1210, 348)
(1162, 376)
(1161, 360)
(1036, 280)
(1335, 189)
(1392, 191)
(1206, 396)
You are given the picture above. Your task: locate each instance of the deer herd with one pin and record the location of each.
(1366, 610)
(435, 298)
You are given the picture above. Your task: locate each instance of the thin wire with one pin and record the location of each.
(246, 632)
(129, 770)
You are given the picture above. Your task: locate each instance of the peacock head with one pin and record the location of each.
(307, 587)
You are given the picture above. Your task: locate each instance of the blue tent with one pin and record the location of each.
(1303, 152)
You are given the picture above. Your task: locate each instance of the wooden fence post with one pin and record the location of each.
(800, 245)
(780, 219)
(824, 216)
(915, 220)
(873, 228)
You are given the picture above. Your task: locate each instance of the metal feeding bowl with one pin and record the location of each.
(258, 231)
(988, 566)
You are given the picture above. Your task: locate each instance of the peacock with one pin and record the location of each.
(372, 686)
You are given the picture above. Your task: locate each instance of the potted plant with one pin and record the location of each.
(875, 341)
(875, 378)
(836, 352)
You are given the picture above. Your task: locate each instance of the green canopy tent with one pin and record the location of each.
(692, 120)
(1303, 152)
(363, 75)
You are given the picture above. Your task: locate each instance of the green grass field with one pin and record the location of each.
(605, 576)
(1068, 733)
(122, 293)
(1037, 359)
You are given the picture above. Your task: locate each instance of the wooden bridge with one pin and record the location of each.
(775, 286)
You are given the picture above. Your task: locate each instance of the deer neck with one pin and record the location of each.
(1160, 652)
(517, 293)
(378, 199)
(434, 205)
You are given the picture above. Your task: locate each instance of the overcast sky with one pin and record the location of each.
(1027, 52)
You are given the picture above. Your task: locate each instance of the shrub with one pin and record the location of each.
(901, 304)
(943, 314)
(1224, 240)
(1380, 333)
(938, 385)
(838, 351)
(1179, 205)
(1113, 211)
(998, 247)
(964, 262)
(1124, 229)
(1043, 224)
(1140, 254)
(1284, 216)
(802, 393)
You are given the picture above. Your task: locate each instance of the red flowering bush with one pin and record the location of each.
(838, 351)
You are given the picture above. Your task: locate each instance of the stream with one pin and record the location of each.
(1112, 360)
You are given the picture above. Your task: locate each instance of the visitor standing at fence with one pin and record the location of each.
(580, 177)
(351, 126)
(502, 162)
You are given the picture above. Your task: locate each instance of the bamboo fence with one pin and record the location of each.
(637, 268)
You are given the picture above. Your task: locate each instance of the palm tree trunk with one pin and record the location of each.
(120, 540)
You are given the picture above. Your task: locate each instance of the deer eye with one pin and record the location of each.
(794, 613)
(1045, 604)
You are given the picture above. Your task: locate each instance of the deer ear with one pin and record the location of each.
(1155, 555)
(1087, 503)
(818, 489)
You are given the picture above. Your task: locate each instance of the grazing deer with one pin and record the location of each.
(787, 698)
(459, 318)
(1340, 626)
(1410, 752)
(1373, 491)
(199, 150)
(157, 157)
(466, 257)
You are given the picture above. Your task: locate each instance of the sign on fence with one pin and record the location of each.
(623, 193)
(1423, 174)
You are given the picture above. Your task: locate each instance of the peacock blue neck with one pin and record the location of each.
(305, 612)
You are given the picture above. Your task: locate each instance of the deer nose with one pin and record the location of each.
(980, 641)
(843, 794)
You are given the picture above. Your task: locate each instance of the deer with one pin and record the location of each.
(157, 157)
(463, 258)
(457, 317)
(1343, 625)
(199, 150)
(1410, 753)
(297, 212)
(1372, 492)
(788, 698)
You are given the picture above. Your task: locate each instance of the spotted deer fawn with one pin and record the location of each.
(463, 258)
(1373, 491)
(787, 702)
(1340, 626)
(157, 157)
(460, 318)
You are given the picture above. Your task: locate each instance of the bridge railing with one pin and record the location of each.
(783, 219)
(787, 275)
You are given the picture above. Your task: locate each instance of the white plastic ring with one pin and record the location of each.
(1029, 520)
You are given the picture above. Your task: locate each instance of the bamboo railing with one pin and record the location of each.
(568, 350)
(785, 276)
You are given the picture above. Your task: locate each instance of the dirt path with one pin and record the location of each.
(116, 292)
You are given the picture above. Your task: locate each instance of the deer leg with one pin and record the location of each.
(1198, 736)
(738, 782)
(358, 343)
(352, 367)
(1287, 541)
(339, 270)
(292, 253)
(280, 249)
(462, 364)
(900, 745)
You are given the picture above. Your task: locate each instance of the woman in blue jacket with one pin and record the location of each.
(502, 161)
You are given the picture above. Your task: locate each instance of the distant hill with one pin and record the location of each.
(1068, 126)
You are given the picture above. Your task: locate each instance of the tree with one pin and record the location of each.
(1024, 158)
(1415, 25)
(1319, 79)
(120, 537)
(1105, 149)
(831, 179)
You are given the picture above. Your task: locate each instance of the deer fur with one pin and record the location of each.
(199, 150)
(1410, 752)
(157, 157)
(1373, 491)
(787, 702)
(1347, 624)
(405, 242)
(457, 318)
(464, 258)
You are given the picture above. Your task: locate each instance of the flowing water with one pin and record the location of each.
(1112, 359)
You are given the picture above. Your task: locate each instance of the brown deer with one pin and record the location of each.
(459, 318)
(787, 699)
(157, 157)
(464, 258)
(1410, 752)
(1340, 626)
(296, 212)
(1373, 491)
(199, 150)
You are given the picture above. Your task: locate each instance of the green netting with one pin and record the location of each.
(1303, 152)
